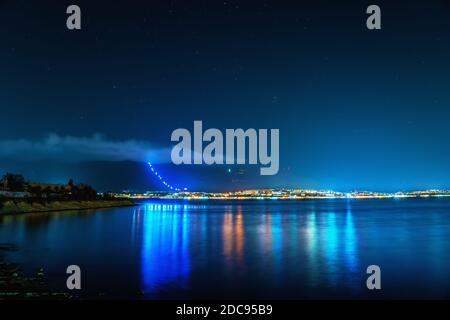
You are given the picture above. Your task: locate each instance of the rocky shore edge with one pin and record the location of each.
(15, 286)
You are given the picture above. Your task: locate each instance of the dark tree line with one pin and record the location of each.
(16, 183)
(13, 182)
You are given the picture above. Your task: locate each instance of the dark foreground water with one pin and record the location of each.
(249, 249)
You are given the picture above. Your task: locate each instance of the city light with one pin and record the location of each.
(278, 194)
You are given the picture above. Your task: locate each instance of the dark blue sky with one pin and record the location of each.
(356, 109)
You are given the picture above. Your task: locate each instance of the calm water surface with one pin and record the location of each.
(249, 249)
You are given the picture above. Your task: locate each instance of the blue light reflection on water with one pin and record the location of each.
(351, 255)
(165, 244)
(232, 249)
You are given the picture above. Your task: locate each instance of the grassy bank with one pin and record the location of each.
(24, 206)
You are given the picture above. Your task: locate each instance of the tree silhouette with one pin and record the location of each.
(13, 182)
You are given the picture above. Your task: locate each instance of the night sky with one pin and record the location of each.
(356, 109)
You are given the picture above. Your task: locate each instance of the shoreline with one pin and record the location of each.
(14, 285)
(23, 207)
(288, 198)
